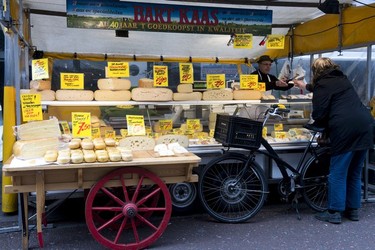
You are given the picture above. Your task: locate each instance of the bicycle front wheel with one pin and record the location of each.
(314, 181)
(230, 191)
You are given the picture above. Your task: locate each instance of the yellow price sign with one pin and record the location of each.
(160, 76)
(95, 133)
(31, 107)
(39, 68)
(117, 69)
(275, 41)
(215, 81)
(123, 132)
(110, 134)
(193, 124)
(166, 124)
(81, 124)
(261, 86)
(248, 81)
(278, 127)
(243, 41)
(72, 80)
(136, 125)
(280, 134)
(264, 132)
(186, 73)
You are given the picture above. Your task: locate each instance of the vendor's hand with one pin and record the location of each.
(299, 84)
(281, 83)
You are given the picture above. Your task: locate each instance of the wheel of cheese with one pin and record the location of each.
(218, 94)
(152, 94)
(45, 95)
(30, 149)
(89, 156)
(114, 84)
(247, 94)
(74, 143)
(51, 156)
(194, 96)
(40, 84)
(87, 144)
(185, 88)
(74, 95)
(112, 95)
(38, 129)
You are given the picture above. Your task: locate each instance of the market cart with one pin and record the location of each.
(128, 205)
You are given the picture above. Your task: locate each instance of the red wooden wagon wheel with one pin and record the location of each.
(130, 218)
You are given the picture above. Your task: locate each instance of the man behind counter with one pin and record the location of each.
(264, 67)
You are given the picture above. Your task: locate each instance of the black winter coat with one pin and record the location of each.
(337, 107)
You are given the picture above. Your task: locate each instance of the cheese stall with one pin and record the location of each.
(120, 99)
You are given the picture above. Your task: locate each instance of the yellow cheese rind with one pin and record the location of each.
(38, 129)
(194, 96)
(31, 149)
(74, 95)
(112, 95)
(40, 84)
(152, 94)
(185, 88)
(218, 94)
(245, 94)
(113, 84)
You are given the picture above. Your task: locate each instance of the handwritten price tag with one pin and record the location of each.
(72, 80)
(278, 127)
(136, 125)
(215, 81)
(31, 107)
(39, 69)
(186, 73)
(81, 124)
(193, 124)
(160, 76)
(166, 125)
(248, 81)
(118, 69)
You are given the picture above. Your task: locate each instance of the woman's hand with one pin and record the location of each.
(299, 83)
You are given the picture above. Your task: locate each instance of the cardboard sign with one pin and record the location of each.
(118, 69)
(166, 125)
(193, 124)
(39, 68)
(186, 73)
(31, 107)
(278, 127)
(248, 81)
(95, 133)
(65, 127)
(275, 41)
(72, 80)
(160, 76)
(81, 124)
(243, 41)
(136, 124)
(215, 81)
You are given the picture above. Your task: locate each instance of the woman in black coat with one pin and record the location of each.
(337, 107)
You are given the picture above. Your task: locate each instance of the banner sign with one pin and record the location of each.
(119, 15)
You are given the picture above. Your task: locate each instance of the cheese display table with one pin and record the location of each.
(128, 205)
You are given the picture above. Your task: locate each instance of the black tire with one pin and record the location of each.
(227, 193)
(314, 181)
(183, 196)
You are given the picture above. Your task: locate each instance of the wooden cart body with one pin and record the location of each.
(42, 178)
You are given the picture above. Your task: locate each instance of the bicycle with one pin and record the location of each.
(233, 187)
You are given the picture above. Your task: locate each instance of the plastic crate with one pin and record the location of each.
(234, 131)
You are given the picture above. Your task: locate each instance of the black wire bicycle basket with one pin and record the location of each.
(240, 132)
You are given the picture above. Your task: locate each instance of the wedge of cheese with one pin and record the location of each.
(31, 149)
(112, 95)
(114, 84)
(38, 129)
(152, 94)
(40, 84)
(145, 83)
(74, 95)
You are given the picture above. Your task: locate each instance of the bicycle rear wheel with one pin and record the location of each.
(230, 191)
(314, 180)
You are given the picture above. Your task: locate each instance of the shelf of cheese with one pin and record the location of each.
(190, 102)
